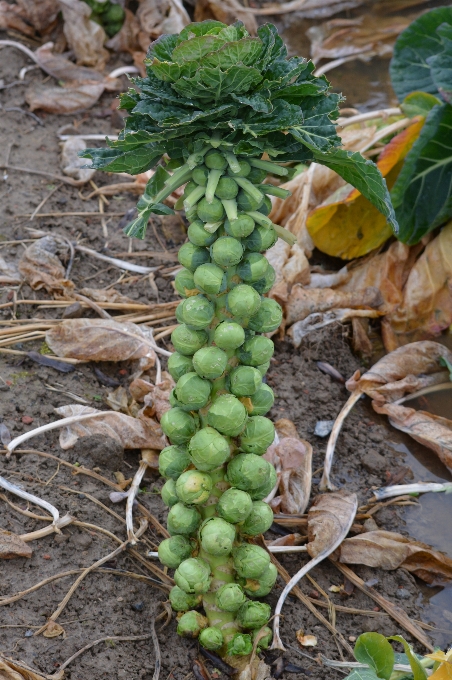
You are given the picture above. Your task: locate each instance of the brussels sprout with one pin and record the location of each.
(263, 636)
(258, 434)
(187, 341)
(182, 601)
(197, 312)
(208, 449)
(211, 638)
(266, 206)
(263, 368)
(214, 160)
(256, 351)
(262, 238)
(174, 550)
(200, 175)
(191, 624)
(268, 318)
(226, 251)
(228, 335)
(178, 425)
(232, 278)
(217, 536)
(173, 460)
(178, 365)
(264, 489)
(189, 187)
(194, 487)
(210, 362)
(243, 301)
(168, 493)
(179, 309)
(253, 614)
(241, 227)
(199, 236)
(227, 189)
(245, 169)
(265, 284)
(252, 267)
(260, 403)
(257, 175)
(234, 505)
(248, 203)
(210, 278)
(244, 381)
(193, 391)
(240, 645)
(250, 561)
(193, 575)
(221, 311)
(247, 471)
(258, 521)
(210, 212)
(183, 520)
(227, 415)
(263, 585)
(230, 597)
(184, 283)
(191, 256)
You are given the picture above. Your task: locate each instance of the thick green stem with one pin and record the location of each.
(194, 197)
(232, 161)
(273, 168)
(212, 182)
(230, 208)
(250, 189)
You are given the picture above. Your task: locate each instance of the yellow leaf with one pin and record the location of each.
(444, 672)
(437, 656)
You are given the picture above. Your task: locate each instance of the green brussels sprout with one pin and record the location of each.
(241, 227)
(210, 362)
(168, 493)
(191, 624)
(267, 282)
(256, 350)
(178, 365)
(266, 206)
(193, 391)
(229, 335)
(114, 14)
(227, 415)
(263, 585)
(191, 256)
(244, 381)
(263, 368)
(194, 487)
(232, 278)
(189, 187)
(230, 597)
(186, 341)
(200, 175)
(185, 284)
(258, 521)
(253, 614)
(244, 301)
(217, 536)
(221, 311)
(210, 279)
(257, 175)
(199, 236)
(193, 575)
(268, 318)
(178, 425)
(215, 160)
(208, 449)
(210, 212)
(245, 169)
(226, 251)
(250, 561)
(264, 639)
(197, 312)
(240, 645)
(264, 489)
(183, 520)
(258, 434)
(234, 505)
(262, 238)
(179, 308)
(174, 550)
(173, 460)
(247, 471)
(211, 638)
(252, 267)
(259, 403)
(182, 601)
(246, 202)
(227, 189)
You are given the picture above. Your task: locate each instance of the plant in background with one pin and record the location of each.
(108, 14)
(215, 102)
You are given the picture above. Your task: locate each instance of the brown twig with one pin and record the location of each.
(158, 656)
(102, 313)
(44, 201)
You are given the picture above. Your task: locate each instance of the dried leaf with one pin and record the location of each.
(71, 163)
(101, 340)
(389, 550)
(132, 433)
(138, 388)
(13, 17)
(315, 321)
(106, 295)
(85, 37)
(41, 267)
(126, 40)
(117, 400)
(17, 670)
(305, 301)
(306, 640)
(9, 272)
(63, 100)
(329, 517)
(360, 341)
(289, 539)
(12, 546)
(159, 17)
(226, 11)
(40, 14)
(53, 630)
(156, 401)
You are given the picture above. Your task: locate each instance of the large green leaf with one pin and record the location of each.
(244, 51)
(422, 194)
(441, 64)
(196, 49)
(362, 674)
(375, 650)
(418, 670)
(115, 160)
(147, 206)
(316, 128)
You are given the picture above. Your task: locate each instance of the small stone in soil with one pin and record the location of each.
(323, 427)
(373, 462)
(403, 594)
(138, 606)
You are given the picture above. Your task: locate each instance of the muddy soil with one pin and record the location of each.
(112, 603)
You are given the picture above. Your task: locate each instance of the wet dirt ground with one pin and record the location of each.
(106, 604)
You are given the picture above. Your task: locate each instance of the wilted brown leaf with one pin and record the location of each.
(290, 539)
(138, 388)
(71, 163)
(84, 36)
(106, 295)
(305, 301)
(40, 14)
(17, 670)
(330, 518)
(318, 320)
(132, 433)
(117, 400)
(12, 546)
(41, 267)
(306, 640)
(63, 100)
(361, 343)
(156, 401)
(13, 17)
(226, 11)
(126, 40)
(9, 272)
(389, 550)
(160, 16)
(101, 340)
(53, 630)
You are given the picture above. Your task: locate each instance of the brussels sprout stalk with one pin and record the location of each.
(230, 208)
(212, 183)
(233, 162)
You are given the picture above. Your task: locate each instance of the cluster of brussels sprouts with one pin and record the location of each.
(216, 477)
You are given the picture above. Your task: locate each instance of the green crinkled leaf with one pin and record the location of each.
(245, 51)
(418, 104)
(116, 160)
(196, 49)
(281, 73)
(170, 72)
(147, 204)
(422, 195)
(283, 116)
(216, 84)
(316, 129)
(161, 90)
(273, 47)
(374, 650)
(294, 94)
(258, 101)
(162, 48)
(128, 100)
(176, 116)
(418, 670)
(199, 28)
(441, 64)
